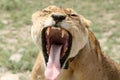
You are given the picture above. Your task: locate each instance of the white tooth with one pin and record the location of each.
(48, 31)
(63, 33)
(65, 49)
(55, 28)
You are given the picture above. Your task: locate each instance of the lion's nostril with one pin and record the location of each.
(58, 17)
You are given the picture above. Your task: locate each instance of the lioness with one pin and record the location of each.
(68, 49)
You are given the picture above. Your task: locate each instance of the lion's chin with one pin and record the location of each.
(57, 37)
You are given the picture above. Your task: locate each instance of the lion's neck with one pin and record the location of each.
(86, 63)
(91, 60)
(88, 55)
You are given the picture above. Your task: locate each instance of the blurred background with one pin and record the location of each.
(18, 52)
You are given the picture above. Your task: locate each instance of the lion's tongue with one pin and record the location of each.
(53, 66)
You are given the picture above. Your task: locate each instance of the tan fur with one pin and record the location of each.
(89, 62)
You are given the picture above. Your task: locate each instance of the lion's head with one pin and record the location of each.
(60, 33)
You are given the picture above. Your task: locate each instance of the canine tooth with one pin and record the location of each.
(48, 31)
(65, 49)
(63, 33)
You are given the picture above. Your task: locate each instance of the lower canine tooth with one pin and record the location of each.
(65, 49)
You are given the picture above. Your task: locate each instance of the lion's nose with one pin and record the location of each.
(58, 17)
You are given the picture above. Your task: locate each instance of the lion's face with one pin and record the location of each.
(61, 33)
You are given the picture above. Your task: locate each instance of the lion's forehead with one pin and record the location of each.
(54, 9)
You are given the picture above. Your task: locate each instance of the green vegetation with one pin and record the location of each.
(15, 24)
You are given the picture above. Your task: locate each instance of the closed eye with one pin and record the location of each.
(74, 15)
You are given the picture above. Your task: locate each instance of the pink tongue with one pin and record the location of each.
(53, 66)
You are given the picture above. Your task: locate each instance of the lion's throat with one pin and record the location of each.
(53, 66)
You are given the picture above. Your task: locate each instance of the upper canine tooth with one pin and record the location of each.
(48, 31)
(63, 33)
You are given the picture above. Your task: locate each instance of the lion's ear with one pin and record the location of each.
(85, 21)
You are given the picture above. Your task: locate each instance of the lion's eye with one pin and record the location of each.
(46, 12)
(74, 15)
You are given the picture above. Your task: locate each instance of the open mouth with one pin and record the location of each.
(56, 45)
(54, 38)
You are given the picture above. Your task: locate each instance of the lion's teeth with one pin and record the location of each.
(65, 49)
(57, 28)
(63, 33)
(48, 31)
